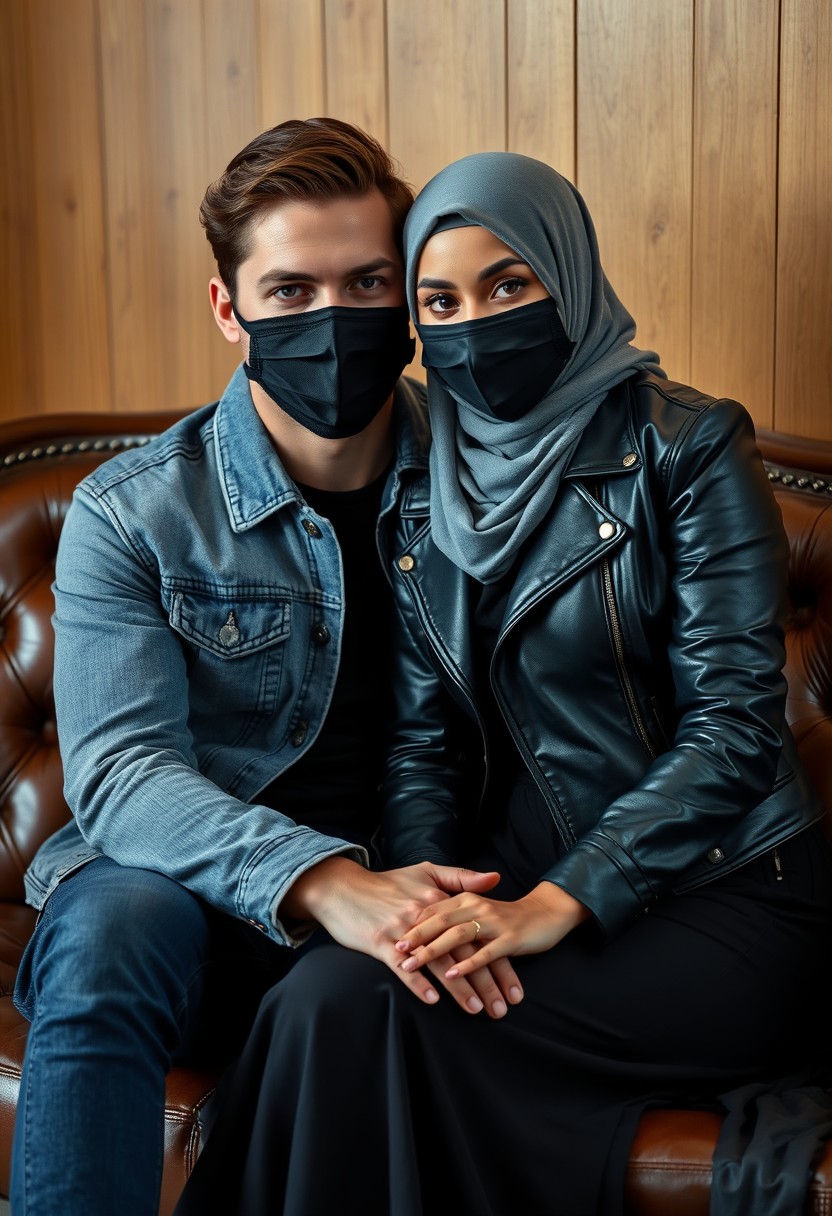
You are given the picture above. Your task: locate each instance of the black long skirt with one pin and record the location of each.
(352, 1097)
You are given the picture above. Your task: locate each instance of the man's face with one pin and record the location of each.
(308, 255)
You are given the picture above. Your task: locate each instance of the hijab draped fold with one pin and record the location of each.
(492, 482)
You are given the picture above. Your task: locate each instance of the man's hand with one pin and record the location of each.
(370, 911)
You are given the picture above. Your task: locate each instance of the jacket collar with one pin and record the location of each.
(252, 478)
(608, 444)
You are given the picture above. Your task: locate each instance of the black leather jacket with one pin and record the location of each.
(639, 666)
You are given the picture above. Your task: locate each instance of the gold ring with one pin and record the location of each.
(476, 925)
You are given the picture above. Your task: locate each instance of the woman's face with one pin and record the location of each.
(466, 273)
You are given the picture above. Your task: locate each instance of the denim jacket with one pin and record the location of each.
(191, 585)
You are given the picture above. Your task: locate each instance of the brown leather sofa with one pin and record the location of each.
(41, 460)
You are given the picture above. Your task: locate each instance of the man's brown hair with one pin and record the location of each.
(317, 159)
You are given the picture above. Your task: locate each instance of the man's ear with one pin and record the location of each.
(223, 309)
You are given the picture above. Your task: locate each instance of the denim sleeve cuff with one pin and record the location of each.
(276, 866)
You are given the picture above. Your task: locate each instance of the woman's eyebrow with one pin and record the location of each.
(436, 283)
(503, 264)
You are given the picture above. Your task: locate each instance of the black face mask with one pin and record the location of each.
(502, 364)
(332, 369)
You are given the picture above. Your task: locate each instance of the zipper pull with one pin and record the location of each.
(777, 866)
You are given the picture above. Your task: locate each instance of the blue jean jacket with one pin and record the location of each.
(190, 585)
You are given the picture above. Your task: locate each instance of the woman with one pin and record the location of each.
(591, 598)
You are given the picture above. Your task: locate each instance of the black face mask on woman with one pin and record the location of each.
(502, 364)
(332, 369)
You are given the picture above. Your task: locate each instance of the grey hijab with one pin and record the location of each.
(492, 482)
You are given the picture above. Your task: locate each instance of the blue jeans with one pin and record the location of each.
(126, 972)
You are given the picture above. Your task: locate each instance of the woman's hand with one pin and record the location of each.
(495, 928)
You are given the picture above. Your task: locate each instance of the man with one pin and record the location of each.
(220, 591)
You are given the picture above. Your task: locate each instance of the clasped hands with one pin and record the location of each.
(421, 919)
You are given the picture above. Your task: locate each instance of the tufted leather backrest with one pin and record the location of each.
(800, 471)
(43, 459)
(41, 462)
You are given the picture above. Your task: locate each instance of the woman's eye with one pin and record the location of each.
(440, 305)
(509, 288)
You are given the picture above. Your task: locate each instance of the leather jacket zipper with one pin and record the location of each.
(618, 645)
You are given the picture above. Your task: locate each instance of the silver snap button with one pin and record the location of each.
(606, 530)
(311, 528)
(229, 635)
(629, 460)
(406, 563)
(715, 856)
(299, 734)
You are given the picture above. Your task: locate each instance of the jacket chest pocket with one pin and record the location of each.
(236, 648)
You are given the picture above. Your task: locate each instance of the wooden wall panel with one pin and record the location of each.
(735, 201)
(155, 141)
(20, 346)
(803, 380)
(232, 98)
(356, 79)
(634, 160)
(290, 64)
(540, 52)
(711, 203)
(446, 82)
(69, 254)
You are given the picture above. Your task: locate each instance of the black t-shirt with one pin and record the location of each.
(334, 786)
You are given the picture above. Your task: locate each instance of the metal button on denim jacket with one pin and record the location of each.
(191, 584)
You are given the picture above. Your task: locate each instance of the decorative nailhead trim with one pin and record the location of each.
(71, 446)
(798, 479)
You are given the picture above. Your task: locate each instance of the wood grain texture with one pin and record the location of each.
(21, 355)
(233, 118)
(634, 160)
(540, 52)
(69, 252)
(735, 201)
(290, 64)
(803, 377)
(155, 141)
(447, 82)
(356, 77)
(711, 202)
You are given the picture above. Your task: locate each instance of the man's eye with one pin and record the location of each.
(290, 291)
(369, 282)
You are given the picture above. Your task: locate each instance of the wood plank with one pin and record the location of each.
(634, 160)
(540, 53)
(69, 253)
(21, 354)
(803, 375)
(232, 105)
(155, 140)
(446, 82)
(356, 77)
(735, 202)
(290, 65)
